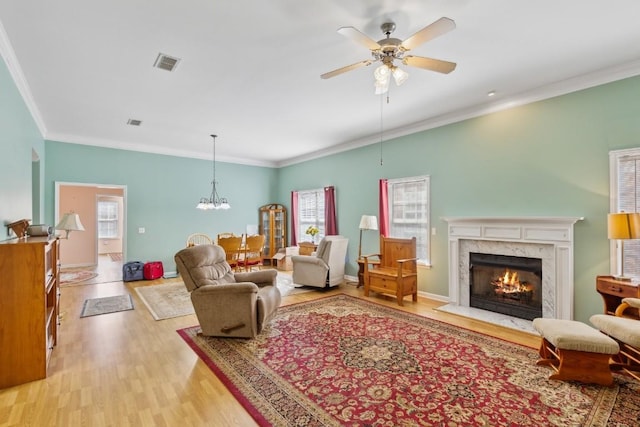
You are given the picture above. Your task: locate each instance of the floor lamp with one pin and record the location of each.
(623, 226)
(367, 222)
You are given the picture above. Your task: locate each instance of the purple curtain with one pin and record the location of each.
(330, 220)
(384, 208)
(294, 218)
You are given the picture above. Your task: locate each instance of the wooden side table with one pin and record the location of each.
(613, 291)
(307, 248)
(361, 270)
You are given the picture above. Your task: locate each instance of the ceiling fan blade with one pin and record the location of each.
(359, 37)
(444, 67)
(430, 32)
(345, 69)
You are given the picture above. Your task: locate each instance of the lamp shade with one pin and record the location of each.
(368, 222)
(399, 75)
(70, 222)
(623, 225)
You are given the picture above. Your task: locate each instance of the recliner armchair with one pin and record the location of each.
(227, 304)
(325, 267)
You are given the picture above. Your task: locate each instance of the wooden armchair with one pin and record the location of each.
(397, 272)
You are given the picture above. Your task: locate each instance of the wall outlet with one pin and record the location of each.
(433, 231)
(141, 230)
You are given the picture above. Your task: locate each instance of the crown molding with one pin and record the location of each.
(563, 87)
(10, 59)
(132, 146)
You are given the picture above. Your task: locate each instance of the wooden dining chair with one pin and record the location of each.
(232, 248)
(199, 239)
(222, 235)
(252, 253)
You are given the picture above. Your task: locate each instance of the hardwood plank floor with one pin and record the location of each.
(126, 369)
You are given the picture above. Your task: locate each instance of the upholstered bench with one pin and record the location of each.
(575, 350)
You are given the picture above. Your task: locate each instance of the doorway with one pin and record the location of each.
(101, 247)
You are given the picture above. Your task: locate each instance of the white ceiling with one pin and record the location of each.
(250, 69)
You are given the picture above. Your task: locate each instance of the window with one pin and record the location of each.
(311, 212)
(625, 197)
(409, 212)
(108, 219)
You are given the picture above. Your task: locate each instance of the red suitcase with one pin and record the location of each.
(153, 270)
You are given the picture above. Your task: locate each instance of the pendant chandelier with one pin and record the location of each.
(213, 201)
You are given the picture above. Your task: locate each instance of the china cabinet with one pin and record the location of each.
(273, 224)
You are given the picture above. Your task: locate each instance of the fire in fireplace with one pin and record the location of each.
(506, 284)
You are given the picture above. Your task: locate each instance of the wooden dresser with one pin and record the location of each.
(613, 291)
(29, 307)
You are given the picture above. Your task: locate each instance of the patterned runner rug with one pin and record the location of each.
(340, 360)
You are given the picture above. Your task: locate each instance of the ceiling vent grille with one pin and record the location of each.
(166, 62)
(134, 122)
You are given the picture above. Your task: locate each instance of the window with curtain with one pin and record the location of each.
(408, 202)
(311, 213)
(625, 197)
(107, 219)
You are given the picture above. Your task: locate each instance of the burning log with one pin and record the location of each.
(509, 286)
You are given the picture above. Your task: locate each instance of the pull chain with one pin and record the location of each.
(381, 124)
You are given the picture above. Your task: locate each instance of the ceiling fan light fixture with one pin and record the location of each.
(390, 49)
(382, 73)
(381, 87)
(399, 75)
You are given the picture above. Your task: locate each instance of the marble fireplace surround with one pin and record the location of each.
(547, 238)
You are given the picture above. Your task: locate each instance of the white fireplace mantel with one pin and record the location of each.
(538, 233)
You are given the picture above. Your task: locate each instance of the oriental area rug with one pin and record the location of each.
(77, 276)
(166, 301)
(341, 360)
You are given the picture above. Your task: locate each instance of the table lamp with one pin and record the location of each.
(367, 222)
(623, 226)
(70, 222)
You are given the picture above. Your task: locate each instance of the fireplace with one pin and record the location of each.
(510, 285)
(547, 240)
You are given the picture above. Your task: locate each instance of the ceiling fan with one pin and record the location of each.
(389, 49)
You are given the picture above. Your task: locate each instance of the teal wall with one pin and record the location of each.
(548, 158)
(161, 194)
(19, 134)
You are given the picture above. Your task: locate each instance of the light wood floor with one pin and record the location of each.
(126, 369)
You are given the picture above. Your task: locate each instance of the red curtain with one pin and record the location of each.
(330, 219)
(384, 208)
(294, 218)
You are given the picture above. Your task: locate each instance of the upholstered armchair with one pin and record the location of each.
(325, 267)
(227, 304)
(626, 331)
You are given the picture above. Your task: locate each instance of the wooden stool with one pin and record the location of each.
(576, 351)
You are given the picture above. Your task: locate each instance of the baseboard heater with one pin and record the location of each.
(170, 275)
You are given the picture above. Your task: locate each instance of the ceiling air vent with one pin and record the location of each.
(166, 62)
(134, 122)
